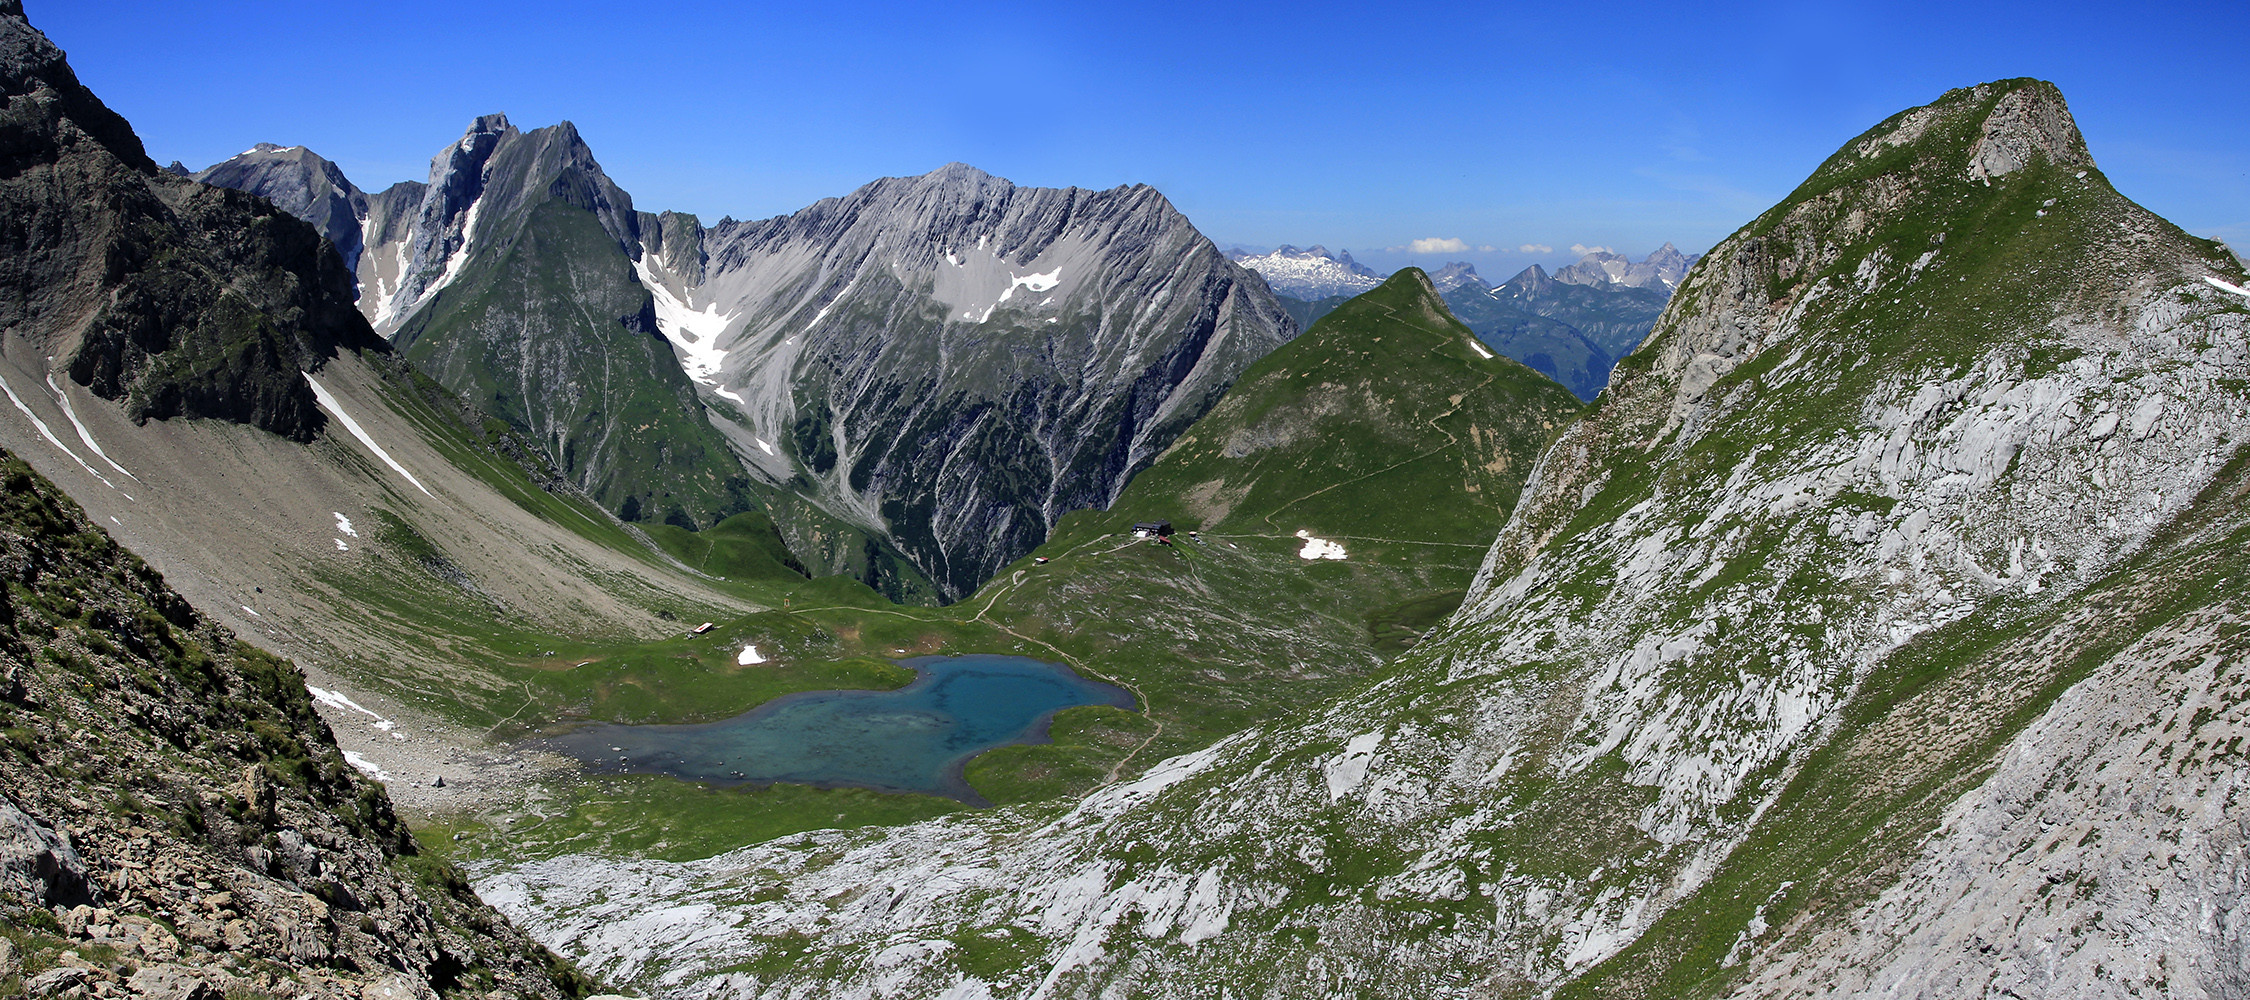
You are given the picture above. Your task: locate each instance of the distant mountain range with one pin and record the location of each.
(1572, 325)
(1309, 274)
(1661, 269)
(916, 379)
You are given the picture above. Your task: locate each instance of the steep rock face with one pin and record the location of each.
(512, 282)
(302, 183)
(168, 793)
(948, 363)
(177, 298)
(1920, 506)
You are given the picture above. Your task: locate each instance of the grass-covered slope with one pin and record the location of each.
(1383, 432)
(1872, 634)
(1384, 422)
(172, 811)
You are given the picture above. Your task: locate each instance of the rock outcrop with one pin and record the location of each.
(179, 299)
(176, 821)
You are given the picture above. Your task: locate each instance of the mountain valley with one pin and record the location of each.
(1851, 610)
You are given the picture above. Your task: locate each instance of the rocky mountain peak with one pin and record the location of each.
(32, 66)
(2030, 120)
(174, 298)
(1532, 280)
(302, 183)
(1457, 274)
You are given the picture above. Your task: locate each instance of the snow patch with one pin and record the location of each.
(2228, 286)
(1319, 548)
(328, 402)
(1035, 282)
(367, 767)
(344, 524)
(83, 434)
(338, 699)
(749, 656)
(764, 445)
(49, 434)
(1345, 771)
(341, 547)
(253, 614)
(1482, 351)
(694, 333)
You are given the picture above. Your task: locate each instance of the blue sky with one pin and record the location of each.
(1365, 126)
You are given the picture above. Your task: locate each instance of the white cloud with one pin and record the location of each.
(1582, 249)
(1487, 248)
(1535, 248)
(1435, 245)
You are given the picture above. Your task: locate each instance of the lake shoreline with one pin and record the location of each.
(956, 709)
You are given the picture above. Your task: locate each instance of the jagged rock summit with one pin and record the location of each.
(941, 366)
(1661, 269)
(1874, 636)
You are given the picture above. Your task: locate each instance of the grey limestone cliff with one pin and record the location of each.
(302, 183)
(948, 363)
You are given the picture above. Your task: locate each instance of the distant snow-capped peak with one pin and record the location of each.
(1311, 273)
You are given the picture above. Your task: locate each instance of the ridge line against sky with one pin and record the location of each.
(1524, 129)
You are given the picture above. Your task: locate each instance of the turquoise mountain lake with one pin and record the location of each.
(914, 739)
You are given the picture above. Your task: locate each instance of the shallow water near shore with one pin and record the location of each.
(914, 739)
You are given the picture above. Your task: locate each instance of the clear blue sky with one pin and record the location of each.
(1355, 125)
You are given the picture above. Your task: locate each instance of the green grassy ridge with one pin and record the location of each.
(1232, 629)
(1358, 401)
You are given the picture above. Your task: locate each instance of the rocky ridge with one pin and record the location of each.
(1845, 593)
(178, 299)
(175, 819)
(941, 366)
